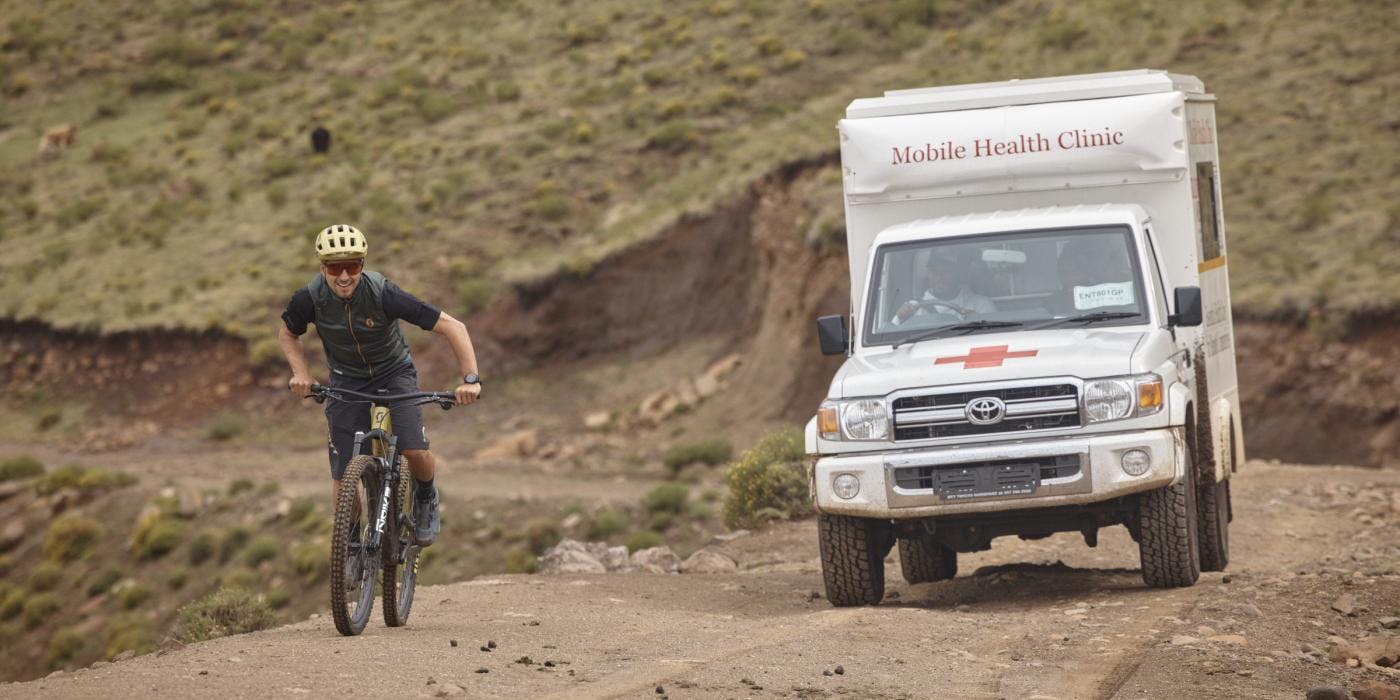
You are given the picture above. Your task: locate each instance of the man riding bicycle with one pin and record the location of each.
(356, 312)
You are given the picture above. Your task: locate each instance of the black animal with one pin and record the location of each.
(320, 139)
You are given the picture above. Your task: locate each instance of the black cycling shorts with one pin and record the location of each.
(344, 418)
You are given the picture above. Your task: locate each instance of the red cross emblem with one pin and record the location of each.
(988, 356)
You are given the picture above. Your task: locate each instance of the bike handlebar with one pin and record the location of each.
(445, 399)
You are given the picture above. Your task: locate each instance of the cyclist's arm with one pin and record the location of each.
(456, 333)
(298, 315)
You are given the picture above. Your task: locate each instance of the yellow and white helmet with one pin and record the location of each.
(341, 242)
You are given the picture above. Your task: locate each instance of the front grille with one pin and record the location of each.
(1027, 408)
(986, 479)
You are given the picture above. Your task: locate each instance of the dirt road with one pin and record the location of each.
(1048, 619)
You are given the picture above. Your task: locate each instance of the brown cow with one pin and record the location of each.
(57, 139)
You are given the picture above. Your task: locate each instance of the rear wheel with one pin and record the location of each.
(400, 553)
(922, 559)
(853, 558)
(1214, 503)
(353, 568)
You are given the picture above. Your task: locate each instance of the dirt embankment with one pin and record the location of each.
(754, 273)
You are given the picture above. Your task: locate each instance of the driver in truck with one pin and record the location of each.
(944, 292)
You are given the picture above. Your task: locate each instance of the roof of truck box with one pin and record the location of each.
(1082, 215)
(1022, 92)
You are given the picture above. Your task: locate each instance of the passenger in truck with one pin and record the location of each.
(944, 293)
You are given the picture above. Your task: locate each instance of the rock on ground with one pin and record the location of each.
(656, 560)
(708, 561)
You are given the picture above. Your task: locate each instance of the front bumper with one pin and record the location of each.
(1099, 476)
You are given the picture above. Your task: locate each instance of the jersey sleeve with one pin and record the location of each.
(300, 312)
(399, 304)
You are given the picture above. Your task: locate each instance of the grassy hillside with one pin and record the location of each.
(480, 142)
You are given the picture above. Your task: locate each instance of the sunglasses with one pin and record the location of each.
(351, 266)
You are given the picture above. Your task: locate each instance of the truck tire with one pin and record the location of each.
(1214, 504)
(1168, 535)
(853, 558)
(923, 560)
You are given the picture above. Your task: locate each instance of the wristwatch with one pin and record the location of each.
(471, 378)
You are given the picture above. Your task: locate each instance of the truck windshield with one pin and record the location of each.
(1002, 281)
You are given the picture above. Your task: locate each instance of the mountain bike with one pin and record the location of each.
(376, 483)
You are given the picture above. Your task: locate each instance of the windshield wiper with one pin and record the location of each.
(1086, 318)
(964, 327)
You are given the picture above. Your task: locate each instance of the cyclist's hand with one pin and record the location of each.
(468, 393)
(300, 384)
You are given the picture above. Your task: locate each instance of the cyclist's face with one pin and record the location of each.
(342, 280)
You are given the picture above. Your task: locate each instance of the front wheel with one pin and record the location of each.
(1168, 533)
(853, 558)
(400, 553)
(353, 567)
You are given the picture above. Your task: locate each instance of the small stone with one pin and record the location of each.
(1385, 661)
(1235, 639)
(840, 670)
(1184, 640)
(525, 661)
(1225, 579)
(597, 420)
(485, 648)
(660, 690)
(448, 690)
(483, 670)
(708, 561)
(1249, 610)
(490, 644)
(1244, 673)
(1206, 631)
(826, 673)
(533, 623)
(129, 653)
(452, 643)
(1326, 692)
(1353, 663)
(549, 664)
(203, 673)
(1389, 623)
(1345, 604)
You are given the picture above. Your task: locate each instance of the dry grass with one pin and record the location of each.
(194, 147)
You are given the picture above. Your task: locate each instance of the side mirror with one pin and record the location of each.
(831, 333)
(1188, 307)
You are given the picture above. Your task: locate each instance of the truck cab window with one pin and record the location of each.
(1023, 276)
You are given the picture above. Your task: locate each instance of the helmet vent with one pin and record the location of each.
(342, 241)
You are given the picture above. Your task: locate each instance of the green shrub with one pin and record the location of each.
(71, 537)
(520, 561)
(156, 535)
(309, 561)
(674, 137)
(233, 540)
(644, 539)
(133, 595)
(162, 77)
(541, 534)
(551, 206)
(176, 47)
(20, 467)
(238, 486)
(13, 603)
(264, 548)
(75, 476)
(473, 293)
(203, 546)
(103, 582)
(279, 166)
(48, 418)
(666, 498)
(221, 613)
(279, 598)
(768, 482)
(65, 645)
(506, 92)
(39, 608)
(130, 632)
(711, 452)
(178, 578)
(607, 522)
(46, 576)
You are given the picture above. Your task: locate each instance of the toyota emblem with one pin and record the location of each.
(986, 410)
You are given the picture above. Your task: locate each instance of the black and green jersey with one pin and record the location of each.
(361, 334)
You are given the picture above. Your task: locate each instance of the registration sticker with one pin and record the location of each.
(1111, 294)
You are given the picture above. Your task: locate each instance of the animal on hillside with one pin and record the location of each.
(320, 139)
(56, 139)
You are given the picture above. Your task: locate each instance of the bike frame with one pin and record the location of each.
(383, 447)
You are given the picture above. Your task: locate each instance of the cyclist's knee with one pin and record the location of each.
(416, 455)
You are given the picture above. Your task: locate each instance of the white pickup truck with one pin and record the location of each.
(1040, 335)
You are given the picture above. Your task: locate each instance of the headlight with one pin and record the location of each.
(865, 419)
(1122, 397)
(846, 486)
(1135, 462)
